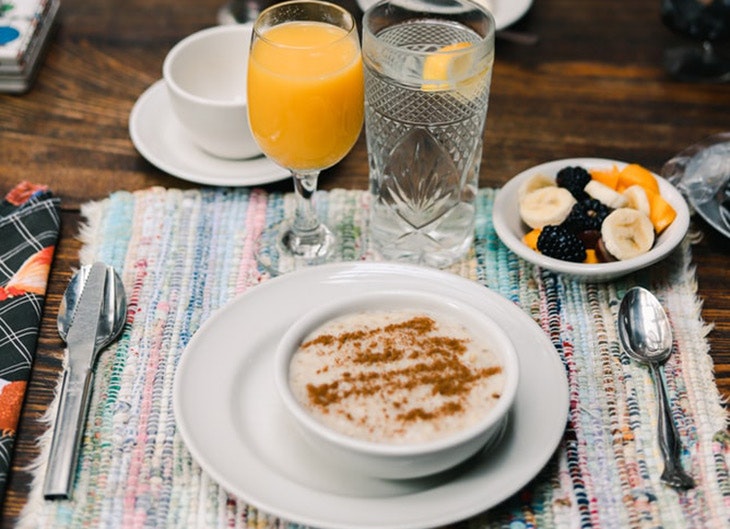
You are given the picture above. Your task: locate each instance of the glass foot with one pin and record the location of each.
(280, 250)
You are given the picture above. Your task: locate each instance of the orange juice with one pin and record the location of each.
(305, 94)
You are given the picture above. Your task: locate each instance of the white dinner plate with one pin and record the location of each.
(229, 415)
(159, 137)
(505, 12)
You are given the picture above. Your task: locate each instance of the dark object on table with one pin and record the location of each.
(240, 11)
(705, 21)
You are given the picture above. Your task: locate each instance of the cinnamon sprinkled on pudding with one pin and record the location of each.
(396, 377)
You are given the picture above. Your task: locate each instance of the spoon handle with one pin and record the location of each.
(669, 442)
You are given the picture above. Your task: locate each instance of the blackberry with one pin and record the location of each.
(558, 242)
(574, 179)
(586, 215)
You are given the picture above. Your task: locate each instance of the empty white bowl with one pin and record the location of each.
(511, 229)
(205, 75)
(396, 459)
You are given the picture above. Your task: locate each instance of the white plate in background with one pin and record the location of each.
(505, 12)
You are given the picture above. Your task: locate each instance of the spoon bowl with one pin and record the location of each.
(646, 336)
(644, 328)
(113, 312)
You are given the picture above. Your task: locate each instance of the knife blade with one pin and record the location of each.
(77, 379)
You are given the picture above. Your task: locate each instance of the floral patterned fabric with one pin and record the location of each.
(29, 226)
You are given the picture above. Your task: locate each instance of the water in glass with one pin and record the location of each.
(426, 102)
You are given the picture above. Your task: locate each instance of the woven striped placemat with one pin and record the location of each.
(185, 254)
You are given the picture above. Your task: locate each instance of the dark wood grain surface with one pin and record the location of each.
(593, 86)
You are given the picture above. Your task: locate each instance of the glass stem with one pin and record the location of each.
(305, 218)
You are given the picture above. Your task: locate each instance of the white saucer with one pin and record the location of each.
(159, 137)
(505, 12)
(231, 419)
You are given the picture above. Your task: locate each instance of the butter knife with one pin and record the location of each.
(77, 378)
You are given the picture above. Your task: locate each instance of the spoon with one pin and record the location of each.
(646, 336)
(113, 312)
(95, 306)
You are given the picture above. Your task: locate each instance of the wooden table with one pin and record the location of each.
(592, 86)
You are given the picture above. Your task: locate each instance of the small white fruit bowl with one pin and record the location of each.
(399, 456)
(511, 229)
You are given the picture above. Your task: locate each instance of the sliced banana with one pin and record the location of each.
(546, 206)
(637, 199)
(604, 194)
(536, 181)
(627, 233)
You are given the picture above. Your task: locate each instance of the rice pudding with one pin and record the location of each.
(396, 377)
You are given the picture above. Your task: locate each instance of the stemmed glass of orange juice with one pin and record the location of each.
(305, 101)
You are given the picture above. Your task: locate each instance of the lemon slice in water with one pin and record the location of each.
(443, 67)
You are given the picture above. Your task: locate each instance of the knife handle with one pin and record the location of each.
(67, 434)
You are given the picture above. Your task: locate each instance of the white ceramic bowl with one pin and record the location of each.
(511, 229)
(390, 460)
(205, 75)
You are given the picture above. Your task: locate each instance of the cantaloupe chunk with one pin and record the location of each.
(591, 256)
(530, 238)
(635, 174)
(608, 177)
(661, 212)
(444, 67)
